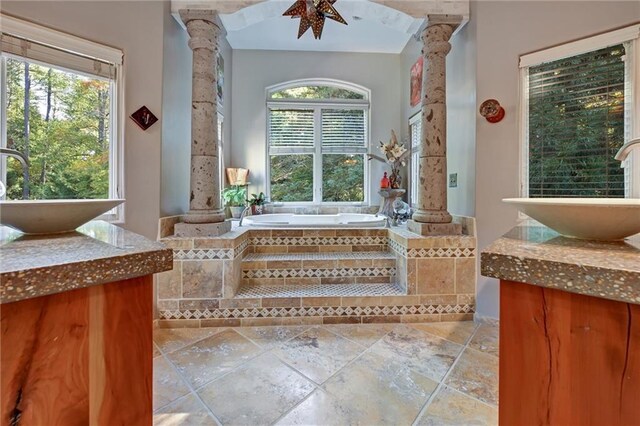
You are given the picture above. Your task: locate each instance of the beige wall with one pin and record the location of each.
(506, 30)
(136, 27)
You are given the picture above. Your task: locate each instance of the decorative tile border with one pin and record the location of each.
(431, 252)
(337, 311)
(317, 241)
(319, 273)
(319, 290)
(341, 255)
(211, 254)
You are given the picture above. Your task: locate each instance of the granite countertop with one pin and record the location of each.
(96, 253)
(532, 253)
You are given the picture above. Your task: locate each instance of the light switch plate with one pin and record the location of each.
(453, 180)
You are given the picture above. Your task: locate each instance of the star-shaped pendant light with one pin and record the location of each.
(312, 14)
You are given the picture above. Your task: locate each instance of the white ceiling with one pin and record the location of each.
(371, 28)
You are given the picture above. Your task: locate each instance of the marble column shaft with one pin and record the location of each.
(432, 189)
(204, 202)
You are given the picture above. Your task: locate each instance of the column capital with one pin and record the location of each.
(209, 16)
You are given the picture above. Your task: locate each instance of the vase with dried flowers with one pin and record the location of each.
(395, 155)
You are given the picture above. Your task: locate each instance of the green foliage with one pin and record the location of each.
(64, 133)
(576, 125)
(316, 92)
(291, 178)
(256, 200)
(342, 177)
(234, 196)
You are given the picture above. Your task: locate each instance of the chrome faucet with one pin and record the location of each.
(19, 156)
(243, 214)
(625, 150)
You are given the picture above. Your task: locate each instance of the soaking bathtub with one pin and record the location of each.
(340, 220)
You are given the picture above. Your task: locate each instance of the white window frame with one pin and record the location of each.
(317, 105)
(630, 37)
(69, 43)
(414, 177)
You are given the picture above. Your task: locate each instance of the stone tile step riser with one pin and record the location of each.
(283, 249)
(320, 272)
(318, 264)
(317, 281)
(337, 290)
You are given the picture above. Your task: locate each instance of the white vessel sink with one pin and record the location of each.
(604, 219)
(52, 216)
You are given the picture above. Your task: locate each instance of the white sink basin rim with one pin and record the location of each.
(603, 219)
(52, 216)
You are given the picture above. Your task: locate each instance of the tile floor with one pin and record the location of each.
(396, 374)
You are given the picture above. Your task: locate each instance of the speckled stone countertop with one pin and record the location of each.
(534, 254)
(97, 253)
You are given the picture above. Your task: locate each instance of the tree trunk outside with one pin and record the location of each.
(27, 91)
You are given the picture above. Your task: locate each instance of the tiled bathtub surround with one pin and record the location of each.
(255, 276)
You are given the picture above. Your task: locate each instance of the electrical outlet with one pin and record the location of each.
(453, 180)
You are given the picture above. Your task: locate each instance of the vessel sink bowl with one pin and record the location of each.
(52, 216)
(603, 219)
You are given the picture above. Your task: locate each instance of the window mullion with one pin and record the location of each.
(3, 118)
(317, 158)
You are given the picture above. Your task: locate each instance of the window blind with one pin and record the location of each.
(290, 128)
(576, 110)
(33, 51)
(415, 130)
(343, 128)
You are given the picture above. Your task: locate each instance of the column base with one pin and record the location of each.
(189, 230)
(204, 216)
(434, 229)
(432, 216)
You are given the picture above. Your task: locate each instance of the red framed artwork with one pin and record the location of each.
(416, 82)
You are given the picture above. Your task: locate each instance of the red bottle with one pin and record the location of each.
(384, 182)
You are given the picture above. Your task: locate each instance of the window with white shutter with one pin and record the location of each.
(415, 134)
(60, 103)
(578, 110)
(317, 142)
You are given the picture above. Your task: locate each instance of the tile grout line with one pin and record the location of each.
(441, 384)
(319, 386)
(191, 391)
(221, 329)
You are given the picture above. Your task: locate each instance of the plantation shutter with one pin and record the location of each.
(576, 124)
(415, 129)
(66, 60)
(291, 128)
(343, 129)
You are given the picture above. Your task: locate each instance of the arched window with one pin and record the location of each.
(317, 136)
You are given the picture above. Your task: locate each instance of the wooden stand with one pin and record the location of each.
(80, 357)
(389, 196)
(567, 359)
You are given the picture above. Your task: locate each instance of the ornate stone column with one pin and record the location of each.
(206, 215)
(432, 217)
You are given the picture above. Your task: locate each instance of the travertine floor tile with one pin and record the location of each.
(170, 339)
(257, 393)
(209, 358)
(270, 337)
(167, 384)
(381, 390)
(186, 411)
(486, 339)
(323, 409)
(156, 352)
(451, 408)
(318, 353)
(458, 332)
(425, 353)
(476, 374)
(364, 334)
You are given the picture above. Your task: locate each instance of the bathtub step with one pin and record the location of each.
(319, 268)
(334, 290)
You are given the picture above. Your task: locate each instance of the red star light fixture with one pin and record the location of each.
(312, 14)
